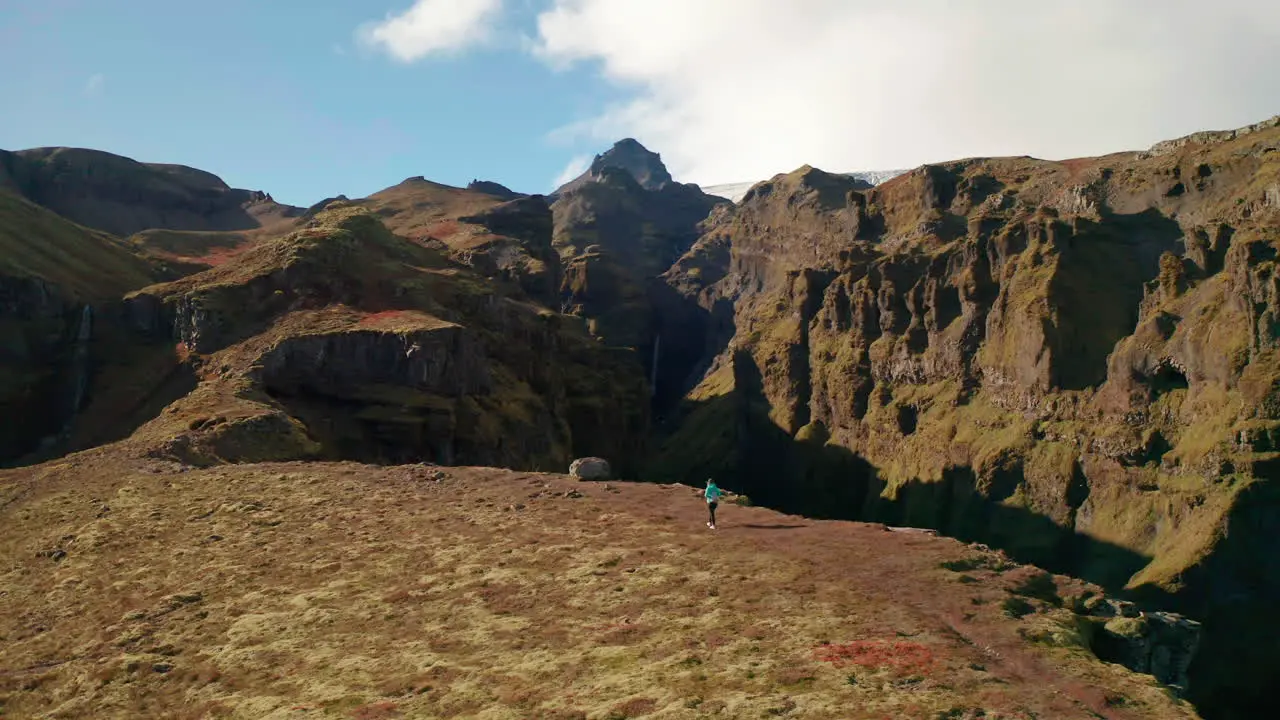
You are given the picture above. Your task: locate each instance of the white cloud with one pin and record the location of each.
(95, 85)
(576, 167)
(432, 26)
(731, 90)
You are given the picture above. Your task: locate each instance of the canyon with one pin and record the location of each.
(1076, 362)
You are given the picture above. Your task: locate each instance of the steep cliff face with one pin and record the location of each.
(617, 228)
(342, 340)
(1076, 361)
(36, 338)
(121, 196)
(56, 278)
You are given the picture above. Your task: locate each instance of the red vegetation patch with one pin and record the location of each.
(376, 711)
(899, 656)
(634, 708)
(443, 229)
(506, 599)
(717, 641)
(219, 256)
(1076, 165)
(373, 318)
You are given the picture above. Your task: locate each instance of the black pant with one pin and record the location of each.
(711, 507)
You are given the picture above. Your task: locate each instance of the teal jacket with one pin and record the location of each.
(713, 493)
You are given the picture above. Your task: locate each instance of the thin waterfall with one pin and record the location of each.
(653, 372)
(78, 371)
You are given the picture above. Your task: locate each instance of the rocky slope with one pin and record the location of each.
(149, 589)
(499, 234)
(1077, 361)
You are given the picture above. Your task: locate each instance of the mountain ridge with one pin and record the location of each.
(122, 196)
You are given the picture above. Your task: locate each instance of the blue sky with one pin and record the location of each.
(280, 95)
(307, 100)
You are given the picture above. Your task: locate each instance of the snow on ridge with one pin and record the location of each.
(736, 191)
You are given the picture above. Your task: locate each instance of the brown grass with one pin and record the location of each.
(343, 590)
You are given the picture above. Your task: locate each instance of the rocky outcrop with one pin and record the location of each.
(443, 359)
(1210, 136)
(121, 196)
(1162, 645)
(1075, 361)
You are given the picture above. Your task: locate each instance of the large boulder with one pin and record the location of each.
(590, 468)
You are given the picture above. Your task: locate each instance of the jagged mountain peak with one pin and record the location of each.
(498, 190)
(643, 164)
(627, 154)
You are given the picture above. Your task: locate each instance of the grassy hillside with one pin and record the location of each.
(87, 264)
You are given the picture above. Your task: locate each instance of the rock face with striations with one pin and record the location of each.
(1077, 361)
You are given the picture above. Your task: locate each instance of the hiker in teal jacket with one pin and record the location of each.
(713, 498)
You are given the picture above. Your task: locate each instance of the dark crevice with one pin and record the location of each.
(1077, 489)
(947, 305)
(908, 417)
(1166, 379)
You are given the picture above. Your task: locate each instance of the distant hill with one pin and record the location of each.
(736, 191)
(123, 196)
